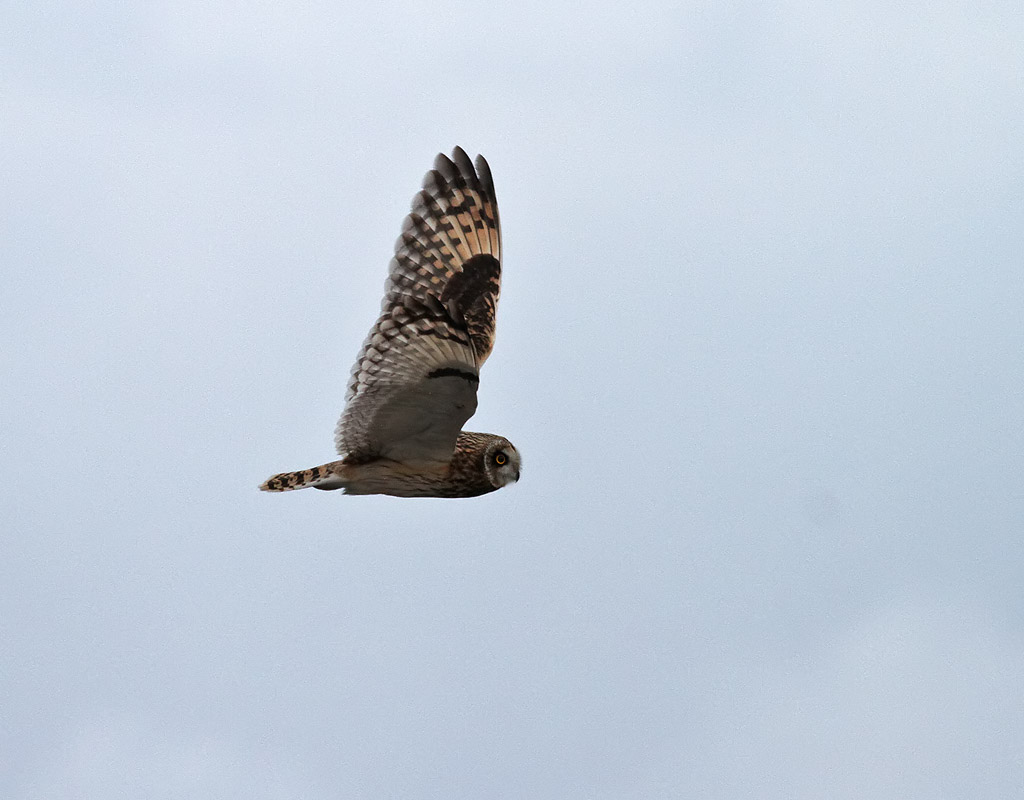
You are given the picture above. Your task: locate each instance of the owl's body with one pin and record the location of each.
(414, 383)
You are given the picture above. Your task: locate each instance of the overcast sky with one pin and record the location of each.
(760, 343)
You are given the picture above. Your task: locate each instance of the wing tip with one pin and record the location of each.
(483, 169)
(460, 164)
(464, 165)
(445, 167)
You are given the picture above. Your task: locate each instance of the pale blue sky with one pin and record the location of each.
(760, 344)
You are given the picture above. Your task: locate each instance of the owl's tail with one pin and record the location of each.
(322, 477)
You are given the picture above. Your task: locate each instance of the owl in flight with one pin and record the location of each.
(414, 383)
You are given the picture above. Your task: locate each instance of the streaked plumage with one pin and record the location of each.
(414, 382)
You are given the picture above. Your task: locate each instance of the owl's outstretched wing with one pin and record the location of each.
(414, 383)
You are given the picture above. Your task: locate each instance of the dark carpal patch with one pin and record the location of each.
(479, 276)
(455, 372)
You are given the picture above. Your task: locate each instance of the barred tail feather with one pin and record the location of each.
(322, 477)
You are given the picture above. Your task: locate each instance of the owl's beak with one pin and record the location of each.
(517, 476)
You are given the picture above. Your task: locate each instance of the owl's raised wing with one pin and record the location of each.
(414, 383)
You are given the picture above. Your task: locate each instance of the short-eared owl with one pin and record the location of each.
(414, 383)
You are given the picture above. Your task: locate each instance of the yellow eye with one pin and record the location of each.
(500, 459)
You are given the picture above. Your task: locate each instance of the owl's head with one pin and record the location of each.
(501, 462)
